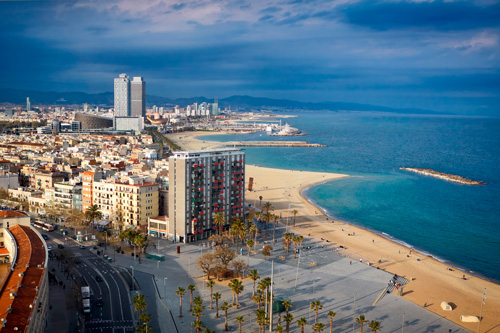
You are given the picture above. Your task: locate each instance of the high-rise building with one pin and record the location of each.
(122, 96)
(202, 184)
(28, 104)
(138, 97)
(215, 107)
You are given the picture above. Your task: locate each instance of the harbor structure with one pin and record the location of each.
(202, 184)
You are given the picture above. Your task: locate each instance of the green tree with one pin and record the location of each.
(191, 288)
(240, 321)
(288, 318)
(279, 329)
(266, 250)
(254, 275)
(197, 324)
(216, 297)
(219, 221)
(287, 304)
(318, 327)
(316, 306)
(180, 292)
(260, 200)
(302, 322)
(236, 287)
(250, 244)
(275, 221)
(294, 212)
(93, 213)
(139, 303)
(210, 284)
(361, 320)
(287, 241)
(375, 326)
(331, 314)
(224, 307)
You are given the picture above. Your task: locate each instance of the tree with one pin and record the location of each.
(254, 275)
(331, 314)
(316, 306)
(180, 292)
(224, 307)
(268, 207)
(275, 220)
(295, 240)
(287, 241)
(267, 218)
(287, 304)
(262, 320)
(240, 321)
(302, 322)
(253, 231)
(210, 284)
(224, 254)
(236, 287)
(197, 324)
(216, 297)
(288, 318)
(239, 266)
(294, 212)
(250, 244)
(144, 318)
(219, 221)
(208, 330)
(139, 303)
(361, 320)
(279, 329)
(191, 288)
(260, 199)
(375, 326)
(318, 327)
(206, 262)
(266, 251)
(198, 312)
(93, 213)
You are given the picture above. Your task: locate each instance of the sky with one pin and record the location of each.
(436, 55)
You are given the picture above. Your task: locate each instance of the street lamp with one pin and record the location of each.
(165, 288)
(133, 277)
(481, 311)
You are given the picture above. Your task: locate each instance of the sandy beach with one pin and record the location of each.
(431, 281)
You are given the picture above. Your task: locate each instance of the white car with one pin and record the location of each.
(49, 248)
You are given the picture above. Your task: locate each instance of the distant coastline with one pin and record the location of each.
(445, 176)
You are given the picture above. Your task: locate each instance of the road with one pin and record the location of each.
(115, 315)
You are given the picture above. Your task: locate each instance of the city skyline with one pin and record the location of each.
(434, 55)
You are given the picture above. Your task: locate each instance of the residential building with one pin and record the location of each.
(202, 184)
(138, 97)
(135, 201)
(103, 197)
(122, 96)
(68, 196)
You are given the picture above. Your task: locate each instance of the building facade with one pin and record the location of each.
(122, 96)
(138, 97)
(135, 202)
(202, 184)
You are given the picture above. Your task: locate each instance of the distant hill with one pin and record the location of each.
(18, 96)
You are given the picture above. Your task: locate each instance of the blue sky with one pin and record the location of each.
(438, 55)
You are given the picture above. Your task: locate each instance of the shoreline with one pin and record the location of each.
(432, 281)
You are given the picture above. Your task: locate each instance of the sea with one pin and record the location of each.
(456, 224)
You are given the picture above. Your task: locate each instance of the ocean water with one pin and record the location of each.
(455, 223)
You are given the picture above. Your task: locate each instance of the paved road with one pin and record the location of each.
(115, 315)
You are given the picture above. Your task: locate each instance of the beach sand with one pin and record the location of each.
(431, 281)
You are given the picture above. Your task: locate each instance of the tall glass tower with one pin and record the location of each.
(122, 96)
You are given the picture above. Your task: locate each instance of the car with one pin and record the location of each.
(82, 247)
(99, 302)
(49, 248)
(45, 237)
(98, 278)
(106, 256)
(60, 246)
(110, 259)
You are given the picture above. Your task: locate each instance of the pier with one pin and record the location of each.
(445, 176)
(272, 144)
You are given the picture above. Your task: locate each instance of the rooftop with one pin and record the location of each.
(11, 213)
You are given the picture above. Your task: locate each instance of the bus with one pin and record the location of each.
(44, 226)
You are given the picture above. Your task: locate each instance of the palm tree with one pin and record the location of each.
(267, 218)
(287, 304)
(197, 301)
(210, 284)
(361, 320)
(216, 297)
(316, 306)
(180, 292)
(275, 220)
(253, 231)
(302, 322)
(331, 314)
(92, 214)
(287, 241)
(260, 199)
(208, 330)
(268, 207)
(140, 303)
(294, 212)
(237, 287)
(198, 312)
(197, 325)
(224, 307)
(279, 329)
(318, 327)
(374, 325)
(219, 221)
(262, 320)
(250, 244)
(254, 275)
(295, 240)
(191, 288)
(288, 318)
(240, 321)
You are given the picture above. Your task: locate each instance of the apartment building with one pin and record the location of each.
(202, 184)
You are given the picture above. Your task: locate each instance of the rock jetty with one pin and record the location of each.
(445, 176)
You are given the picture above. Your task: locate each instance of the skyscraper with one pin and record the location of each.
(122, 96)
(215, 107)
(138, 97)
(28, 104)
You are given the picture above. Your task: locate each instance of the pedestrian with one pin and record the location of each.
(373, 240)
(350, 263)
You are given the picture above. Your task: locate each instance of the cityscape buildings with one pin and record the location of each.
(122, 95)
(138, 97)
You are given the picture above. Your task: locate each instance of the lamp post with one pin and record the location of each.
(481, 311)
(165, 288)
(133, 278)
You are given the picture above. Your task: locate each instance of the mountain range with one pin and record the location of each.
(17, 96)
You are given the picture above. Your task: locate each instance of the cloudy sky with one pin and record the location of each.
(438, 55)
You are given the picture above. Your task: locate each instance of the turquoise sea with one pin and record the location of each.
(455, 223)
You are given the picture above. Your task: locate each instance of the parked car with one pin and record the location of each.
(60, 246)
(44, 236)
(82, 247)
(98, 278)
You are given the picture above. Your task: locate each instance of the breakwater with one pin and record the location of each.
(272, 144)
(445, 176)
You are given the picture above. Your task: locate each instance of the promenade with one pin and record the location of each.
(343, 286)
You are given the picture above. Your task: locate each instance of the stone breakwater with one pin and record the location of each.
(445, 176)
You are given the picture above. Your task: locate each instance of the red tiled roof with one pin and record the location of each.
(11, 213)
(3, 251)
(24, 280)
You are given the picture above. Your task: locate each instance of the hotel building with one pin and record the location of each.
(202, 184)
